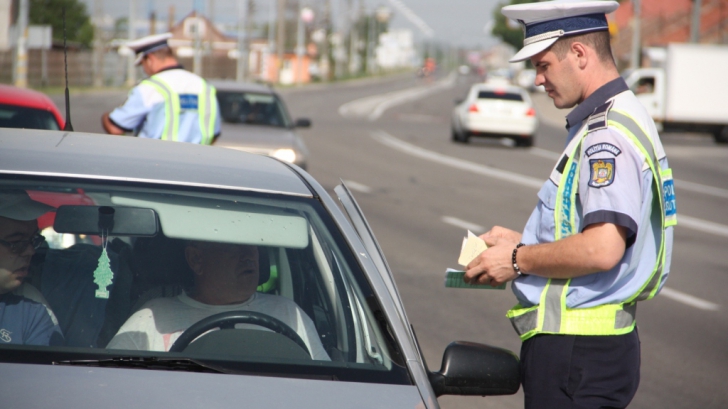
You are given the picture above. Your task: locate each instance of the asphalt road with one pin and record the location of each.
(420, 192)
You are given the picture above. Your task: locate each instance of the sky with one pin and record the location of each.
(456, 22)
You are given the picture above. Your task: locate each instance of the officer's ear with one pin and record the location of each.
(581, 52)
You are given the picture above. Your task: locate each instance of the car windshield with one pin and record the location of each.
(12, 116)
(149, 276)
(252, 108)
(502, 95)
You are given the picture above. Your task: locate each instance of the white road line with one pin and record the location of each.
(389, 140)
(357, 186)
(372, 107)
(475, 228)
(698, 188)
(702, 225)
(680, 184)
(688, 299)
(413, 150)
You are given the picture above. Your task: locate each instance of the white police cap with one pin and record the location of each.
(148, 44)
(545, 22)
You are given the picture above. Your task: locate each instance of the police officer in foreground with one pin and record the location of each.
(172, 104)
(600, 238)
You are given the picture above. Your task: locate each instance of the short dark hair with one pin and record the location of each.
(163, 53)
(598, 40)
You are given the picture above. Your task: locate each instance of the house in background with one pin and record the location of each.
(665, 22)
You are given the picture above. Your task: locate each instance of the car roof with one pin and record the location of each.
(10, 95)
(498, 87)
(234, 86)
(108, 157)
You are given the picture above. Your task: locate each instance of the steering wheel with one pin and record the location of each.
(228, 320)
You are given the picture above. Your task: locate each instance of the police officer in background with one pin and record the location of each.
(172, 104)
(600, 238)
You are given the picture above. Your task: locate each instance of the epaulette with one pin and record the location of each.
(598, 119)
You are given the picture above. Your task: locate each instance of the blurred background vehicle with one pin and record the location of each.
(500, 76)
(526, 78)
(255, 119)
(25, 108)
(685, 95)
(495, 111)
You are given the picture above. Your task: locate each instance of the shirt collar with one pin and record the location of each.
(595, 100)
(173, 67)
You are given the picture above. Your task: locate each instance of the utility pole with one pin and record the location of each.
(242, 48)
(197, 56)
(281, 36)
(636, 34)
(98, 55)
(326, 61)
(695, 25)
(131, 68)
(20, 74)
(271, 38)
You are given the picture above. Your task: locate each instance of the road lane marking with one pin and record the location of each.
(462, 164)
(680, 184)
(702, 225)
(373, 107)
(454, 221)
(357, 186)
(413, 150)
(688, 299)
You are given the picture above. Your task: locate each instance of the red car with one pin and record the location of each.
(25, 108)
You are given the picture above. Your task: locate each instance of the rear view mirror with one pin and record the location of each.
(303, 123)
(476, 369)
(118, 220)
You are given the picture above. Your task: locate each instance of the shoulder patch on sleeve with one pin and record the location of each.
(603, 147)
(601, 172)
(598, 119)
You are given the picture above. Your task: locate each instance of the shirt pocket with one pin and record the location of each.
(546, 204)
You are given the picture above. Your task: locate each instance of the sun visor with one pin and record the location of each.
(195, 218)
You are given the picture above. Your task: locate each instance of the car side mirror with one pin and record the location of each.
(469, 368)
(303, 123)
(458, 101)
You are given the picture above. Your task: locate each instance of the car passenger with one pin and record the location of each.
(226, 277)
(24, 316)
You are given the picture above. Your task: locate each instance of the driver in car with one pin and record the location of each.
(226, 278)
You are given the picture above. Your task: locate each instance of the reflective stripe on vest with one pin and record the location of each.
(171, 108)
(552, 316)
(206, 110)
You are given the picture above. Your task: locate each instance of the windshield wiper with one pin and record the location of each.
(169, 364)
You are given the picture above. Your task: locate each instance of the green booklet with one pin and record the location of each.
(454, 279)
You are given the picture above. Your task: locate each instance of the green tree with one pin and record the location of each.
(501, 28)
(78, 23)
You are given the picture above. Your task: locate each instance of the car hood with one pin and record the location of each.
(92, 387)
(257, 138)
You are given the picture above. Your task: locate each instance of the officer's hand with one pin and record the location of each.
(494, 265)
(498, 232)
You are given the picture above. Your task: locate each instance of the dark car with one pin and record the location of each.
(25, 108)
(256, 120)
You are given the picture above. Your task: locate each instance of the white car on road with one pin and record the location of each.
(495, 111)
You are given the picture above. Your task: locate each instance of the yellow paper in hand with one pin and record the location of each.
(472, 247)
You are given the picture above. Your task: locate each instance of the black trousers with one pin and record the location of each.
(574, 371)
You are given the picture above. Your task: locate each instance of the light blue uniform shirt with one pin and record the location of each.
(623, 198)
(143, 113)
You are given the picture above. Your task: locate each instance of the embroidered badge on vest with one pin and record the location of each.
(602, 172)
(598, 119)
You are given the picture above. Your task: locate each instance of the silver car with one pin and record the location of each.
(255, 119)
(192, 276)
